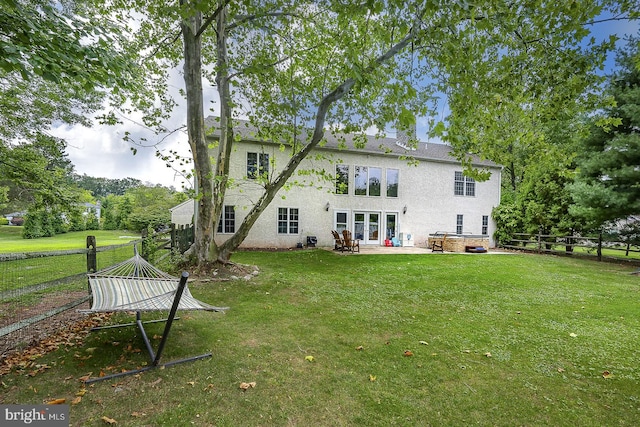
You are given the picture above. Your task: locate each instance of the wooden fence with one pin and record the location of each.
(575, 245)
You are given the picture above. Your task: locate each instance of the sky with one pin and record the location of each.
(100, 151)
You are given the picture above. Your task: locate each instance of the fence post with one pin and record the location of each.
(540, 241)
(92, 262)
(173, 236)
(600, 246)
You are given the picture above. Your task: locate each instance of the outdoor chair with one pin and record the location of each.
(437, 245)
(339, 241)
(349, 243)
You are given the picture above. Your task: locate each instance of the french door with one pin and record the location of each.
(366, 227)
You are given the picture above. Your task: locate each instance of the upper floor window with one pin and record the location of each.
(227, 222)
(288, 219)
(257, 165)
(392, 182)
(367, 181)
(342, 179)
(464, 185)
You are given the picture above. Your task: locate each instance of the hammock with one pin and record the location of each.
(136, 285)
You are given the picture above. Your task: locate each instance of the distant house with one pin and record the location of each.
(373, 191)
(15, 218)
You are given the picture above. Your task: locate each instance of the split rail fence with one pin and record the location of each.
(597, 247)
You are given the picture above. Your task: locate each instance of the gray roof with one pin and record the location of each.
(382, 146)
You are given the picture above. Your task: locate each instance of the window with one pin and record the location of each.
(392, 182)
(341, 222)
(485, 225)
(342, 179)
(367, 181)
(287, 221)
(464, 185)
(257, 165)
(227, 222)
(459, 222)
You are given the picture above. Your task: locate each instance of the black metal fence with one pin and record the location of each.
(38, 288)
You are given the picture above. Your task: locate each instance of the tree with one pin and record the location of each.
(54, 68)
(298, 69)
(606, 188)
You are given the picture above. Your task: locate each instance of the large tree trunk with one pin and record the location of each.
(203, 238)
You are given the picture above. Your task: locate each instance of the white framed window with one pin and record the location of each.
(257, 165)
(459, 224)
(342, 179)
(288, 220)
(367, 181)
(392, 182)
(464, 185)
(341, 221)
(227, 221)
(485, 225)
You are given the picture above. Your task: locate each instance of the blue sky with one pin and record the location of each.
(100, 151)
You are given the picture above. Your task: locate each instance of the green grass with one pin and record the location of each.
(497, 340)
(11, 240)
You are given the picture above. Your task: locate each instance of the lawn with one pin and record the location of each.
(11, 240)
(373, 340)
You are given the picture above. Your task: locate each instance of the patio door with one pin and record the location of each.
(366, 227)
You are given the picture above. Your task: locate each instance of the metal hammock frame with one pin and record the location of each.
(136, 285)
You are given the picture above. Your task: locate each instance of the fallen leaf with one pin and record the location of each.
(56, 401)
(309, 358)
(607, 374)
(572, 335)
(561, 370)
(76, 400)
(487, 354)
(408, 353)
(372, 378)
(191, 383)
(359, 348)
(138, 414)
(246, 386)
(108, 420)
(81, 392)
(86, 377)
(423, 342)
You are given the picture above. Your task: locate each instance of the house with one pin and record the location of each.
(182, 214)
(381, 191)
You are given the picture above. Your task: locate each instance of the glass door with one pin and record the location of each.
(366, 227)
(391, 225)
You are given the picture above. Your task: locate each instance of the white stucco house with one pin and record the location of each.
(373, 191)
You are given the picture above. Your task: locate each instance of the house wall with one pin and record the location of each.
(425, 189)
(183, 213)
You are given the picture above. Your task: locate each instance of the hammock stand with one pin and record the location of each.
(136, 285)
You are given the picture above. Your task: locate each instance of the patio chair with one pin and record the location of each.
(339, 241)
(437, 244)
(349, 243)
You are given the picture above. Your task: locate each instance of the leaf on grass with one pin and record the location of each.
(359, 348)
(423, 342)
(81, 392)
(487, 354)
(372, 378)
(76, 400)
(108, 420)
(247, 386)
(407, 353)
(138, 414)
(191, 383)
(607, 374)
(56, 401)
(309, 358)
(561, 370)
(86, 377)
(572, 335)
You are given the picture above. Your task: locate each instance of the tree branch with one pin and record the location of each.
(210, 19)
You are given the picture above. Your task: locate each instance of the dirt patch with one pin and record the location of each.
(226, 272)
